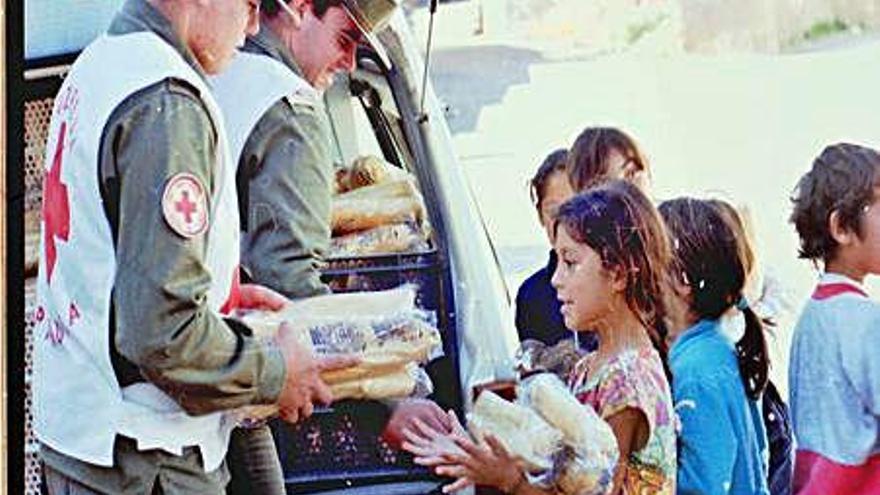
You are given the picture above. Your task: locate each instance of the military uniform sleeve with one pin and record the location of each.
(163, 323)
(287, 222)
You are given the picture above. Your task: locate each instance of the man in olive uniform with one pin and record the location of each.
(271, 98)
(136, 361)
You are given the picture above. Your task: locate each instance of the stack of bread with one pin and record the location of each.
(563, 444)
(385, 330)
(377, 209)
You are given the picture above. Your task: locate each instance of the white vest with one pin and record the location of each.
(249, 87)
(79, 406)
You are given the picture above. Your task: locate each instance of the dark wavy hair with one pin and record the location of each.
(617, 221)
(712, 256)
(588, 156)
(555, 162)
(842, 179)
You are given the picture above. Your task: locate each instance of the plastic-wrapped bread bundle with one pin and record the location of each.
(396, 238)
(586, 464)
(384, 329)
(521, 431)
(388, 203)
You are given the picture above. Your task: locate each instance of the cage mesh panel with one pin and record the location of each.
(36, 129)
(31, 462)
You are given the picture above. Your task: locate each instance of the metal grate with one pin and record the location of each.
(32, 471)
(36, 130)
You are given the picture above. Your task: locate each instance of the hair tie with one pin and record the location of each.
(742, 304)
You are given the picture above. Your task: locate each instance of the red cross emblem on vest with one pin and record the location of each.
(185, 205)
(55, 209)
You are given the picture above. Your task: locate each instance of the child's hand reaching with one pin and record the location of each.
(429, 445)
(481, 462)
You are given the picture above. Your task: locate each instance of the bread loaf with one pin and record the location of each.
(396, 238)
(586, 463)
(384, 329)
(398, 383)
(355, 215)
(369, 207)
(521, 431)
(366, 171)
(559, 408)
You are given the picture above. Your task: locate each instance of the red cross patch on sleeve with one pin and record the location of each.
(185, 205)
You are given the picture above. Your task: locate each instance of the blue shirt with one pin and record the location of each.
(723, 443)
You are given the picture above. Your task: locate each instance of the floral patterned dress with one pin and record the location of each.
(634, 379)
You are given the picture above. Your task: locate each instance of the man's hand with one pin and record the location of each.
(303, 386)
(258, 297)
(407, 412)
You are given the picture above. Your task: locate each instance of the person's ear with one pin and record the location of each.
(297, 9)
(618, 279)
(681, 289)
(841, 234)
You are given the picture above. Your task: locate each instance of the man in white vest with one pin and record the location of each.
(271, 98)
(135, 359)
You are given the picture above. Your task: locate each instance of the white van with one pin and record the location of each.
(378, 111)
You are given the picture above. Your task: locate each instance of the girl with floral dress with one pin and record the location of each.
(613, 253)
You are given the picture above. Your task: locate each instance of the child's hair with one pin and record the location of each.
(842, 179)
(554, 162)
(712, 256)
(619, 223)
(588, 157)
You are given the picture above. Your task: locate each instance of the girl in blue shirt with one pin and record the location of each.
(716, 385)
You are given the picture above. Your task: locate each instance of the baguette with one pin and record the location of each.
(519, 429)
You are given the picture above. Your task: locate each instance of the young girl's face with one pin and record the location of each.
(676, 300)
(557, 190)
(583, 286)
(621, 167)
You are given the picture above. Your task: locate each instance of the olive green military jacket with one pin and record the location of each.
(159, 298)
(285, 180)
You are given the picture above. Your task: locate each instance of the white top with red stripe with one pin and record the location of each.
(835, 390)
(79, 406)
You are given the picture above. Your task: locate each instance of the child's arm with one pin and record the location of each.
(707, 440)
(630, 427)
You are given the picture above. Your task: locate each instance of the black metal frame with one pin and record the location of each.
(433, 263)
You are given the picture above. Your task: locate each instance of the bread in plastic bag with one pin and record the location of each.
(393, 202)
(522, 432)
(367, 170)
(364, 171)
(384, 329)
(394, 238)
(586, 464)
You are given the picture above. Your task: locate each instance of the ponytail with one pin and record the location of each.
(657, 333)
(751, 353)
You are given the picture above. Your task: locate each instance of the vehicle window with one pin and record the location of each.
(366, 121)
